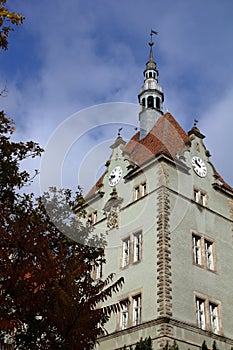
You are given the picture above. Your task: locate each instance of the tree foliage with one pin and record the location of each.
(48, 297)
(144, 344)
(8, 20)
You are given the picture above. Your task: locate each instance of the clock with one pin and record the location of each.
(115, 176)
(199, 166)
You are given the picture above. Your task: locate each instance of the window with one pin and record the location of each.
(150, 102)
(209, 254)
(136, 310)
(200, 197)
(137, 246)
(130, 315)
(157, 102)
(136, 193)
(131, 249)
(92, 218)
(204, 252)
(197, 250)
(140, 191)
(126, 252)
(124, 317)
(213, 312)
(200, 312)
(98, 269)
(207, 314)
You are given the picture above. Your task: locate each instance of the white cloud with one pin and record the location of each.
(217, 124)
(88, 53)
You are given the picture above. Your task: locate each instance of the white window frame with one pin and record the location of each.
(204, 251)
(126, 251)
(137, 246)
(136, 193)
(124, 317)
(136, 309)
(131, 249)
(200, 313)
(214, 317)
(209, 254)
(99, 269)
(140, 190)
(131, 314)
(143, 189)
(208, 313)
(92, 218)
(200, 196)
(197, 249)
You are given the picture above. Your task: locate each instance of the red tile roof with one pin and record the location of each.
(166, 137)
(95, 188)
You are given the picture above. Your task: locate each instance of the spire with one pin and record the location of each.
(151, 95)
(151, 58)
(151, 63)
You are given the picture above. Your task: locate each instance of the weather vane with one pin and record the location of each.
(151, 34)
(119, 131)
(195, 122)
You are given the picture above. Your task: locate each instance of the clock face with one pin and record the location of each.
(199, 166)
(115, 176)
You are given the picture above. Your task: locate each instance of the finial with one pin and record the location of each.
(151, 43)
(119, 131)
(151, 34)
(195, 122)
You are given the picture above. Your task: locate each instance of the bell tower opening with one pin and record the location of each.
(150, 102)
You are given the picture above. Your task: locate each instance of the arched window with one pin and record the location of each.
(150, 102)
(158, 102)
(143, 102)
(150, 74)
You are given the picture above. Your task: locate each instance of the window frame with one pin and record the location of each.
(140, 191)
(126, 251)
(200, 251)
(136, 309)
(208, 313)
(98, 270)
(200, 196)
(200, 312)
(131, 249)
(137, 246)
(92, 218)
(124, 311)
(131, 314)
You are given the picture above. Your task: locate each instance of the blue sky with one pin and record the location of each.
(68, 56)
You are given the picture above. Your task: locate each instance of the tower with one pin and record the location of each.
(169, 217)
(150, 97)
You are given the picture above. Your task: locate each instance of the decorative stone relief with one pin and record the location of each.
(164, 282)
(231, 215)
(113, 218)
(112, 210)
